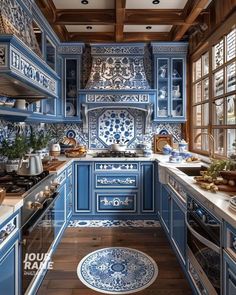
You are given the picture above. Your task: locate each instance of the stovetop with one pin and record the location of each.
(112, 154)
(18, 185)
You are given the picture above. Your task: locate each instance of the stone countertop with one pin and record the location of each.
(9, 206)
(217, 203)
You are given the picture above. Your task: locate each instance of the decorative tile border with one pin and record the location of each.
(114, 223)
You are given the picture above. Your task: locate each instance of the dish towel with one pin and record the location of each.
(162, 174)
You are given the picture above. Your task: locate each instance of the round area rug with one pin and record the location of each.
(117, 270)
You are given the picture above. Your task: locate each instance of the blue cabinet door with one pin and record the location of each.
(165, 206)
(229, 275)
(9, 270)
(178, 229)
(69, 191)
(147, 176)
(83, 187)
(60, 210)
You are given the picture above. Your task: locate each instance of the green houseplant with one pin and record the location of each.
(39, 141)
(14, 151)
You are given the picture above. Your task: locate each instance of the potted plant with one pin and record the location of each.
(39, 141)
(14, 151)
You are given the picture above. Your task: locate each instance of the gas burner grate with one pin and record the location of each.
(112, 154)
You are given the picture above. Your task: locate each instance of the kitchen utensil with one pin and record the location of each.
(30, 164)
(55, 150)
(21, 104)
(118, 147)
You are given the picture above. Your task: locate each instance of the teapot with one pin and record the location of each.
(30, 164)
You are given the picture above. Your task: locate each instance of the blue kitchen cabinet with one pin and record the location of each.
(69, 191)
(9, 269)
(178, 227)
(71, 54)
(165, 207)
(229, 274)
(9, 257)
(147, 187)
(170, 81)
(83, 187)
(60, 210)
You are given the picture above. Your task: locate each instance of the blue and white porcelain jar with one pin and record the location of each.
(167, 149)
(183, 146)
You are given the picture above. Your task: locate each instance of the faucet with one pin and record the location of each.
(211, 138)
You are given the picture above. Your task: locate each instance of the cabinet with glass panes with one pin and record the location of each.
(170, 81)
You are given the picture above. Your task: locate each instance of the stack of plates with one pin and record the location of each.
(232, 204)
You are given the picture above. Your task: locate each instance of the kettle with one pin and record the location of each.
(30, 164)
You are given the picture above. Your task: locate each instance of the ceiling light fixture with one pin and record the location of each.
(155, 2)
(85, 2)
(89, 28)
(148, 28)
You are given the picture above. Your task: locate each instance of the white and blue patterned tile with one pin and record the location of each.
(114, 223)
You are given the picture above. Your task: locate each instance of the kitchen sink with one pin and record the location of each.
(192, 171)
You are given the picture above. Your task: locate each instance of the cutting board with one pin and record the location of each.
(54, 165)
(222, 187)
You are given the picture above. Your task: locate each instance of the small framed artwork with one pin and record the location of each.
(160, 141)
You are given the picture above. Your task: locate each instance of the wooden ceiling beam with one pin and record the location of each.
(143, 36)
(193, 10)
(154, 17)
(120, 17)
(91, 37)
(84, 16)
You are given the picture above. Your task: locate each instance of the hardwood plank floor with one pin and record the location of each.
(78, 242)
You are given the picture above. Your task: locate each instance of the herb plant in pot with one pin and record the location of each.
(39, 141)
(14, 151)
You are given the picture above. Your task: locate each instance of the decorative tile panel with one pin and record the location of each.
(117, 72)
(117, 50)
(70, 49)
(106, 126)
(134, 98)
(115, 125)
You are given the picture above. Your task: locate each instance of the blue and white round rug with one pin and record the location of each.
(117, 270)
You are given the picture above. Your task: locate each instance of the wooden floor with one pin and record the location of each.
(78, 242)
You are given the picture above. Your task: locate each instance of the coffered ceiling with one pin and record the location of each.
(123, 20)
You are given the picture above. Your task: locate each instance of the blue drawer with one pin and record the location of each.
(116, 181)
(116, 202)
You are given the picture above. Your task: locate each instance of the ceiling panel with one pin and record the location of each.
(147, 28)
(89, 28)
(163, 4)
(92, 4)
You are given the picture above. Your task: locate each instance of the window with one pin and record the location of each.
(214, 97)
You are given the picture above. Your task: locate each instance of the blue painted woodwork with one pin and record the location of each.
(69, 191)
(115, 187)
(178, 227)
(229, 238)
(83, 187)
(116, 181)
(147, 191)
(229, 274)
(9, 268)
(60, 210)
(165, 207)
(170, 81)
(116, 201)
(9, 257)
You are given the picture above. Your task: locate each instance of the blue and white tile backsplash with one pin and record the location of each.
(104, 129)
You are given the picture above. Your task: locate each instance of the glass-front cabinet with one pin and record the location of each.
(170, 81)
(71, 87)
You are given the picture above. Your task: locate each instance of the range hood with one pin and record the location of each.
(23, 73)
(117, 80)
